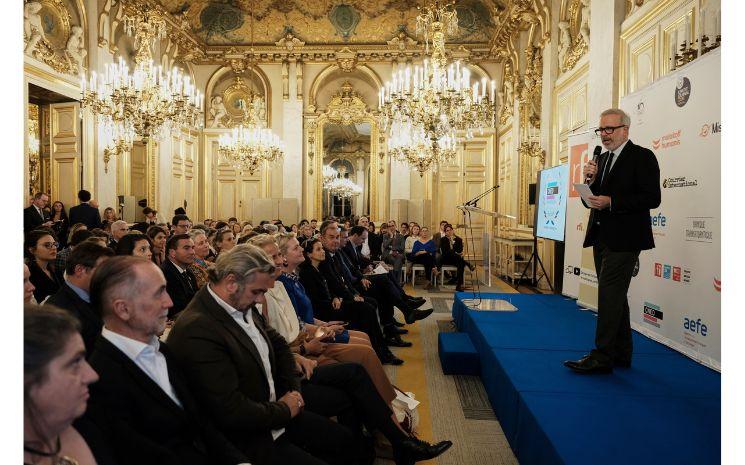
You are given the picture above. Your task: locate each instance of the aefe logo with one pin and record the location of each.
(696, 327)
(658, 221)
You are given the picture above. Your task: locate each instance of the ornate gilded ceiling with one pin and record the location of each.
(321, 22)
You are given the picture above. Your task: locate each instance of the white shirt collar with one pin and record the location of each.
(132, 348)
(226, 306)
(180, 270)
(619, 149)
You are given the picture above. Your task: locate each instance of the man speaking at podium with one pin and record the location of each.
(625, 181)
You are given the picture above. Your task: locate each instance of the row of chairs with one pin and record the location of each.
(412, 269)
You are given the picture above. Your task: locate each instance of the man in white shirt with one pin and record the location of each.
(142, 401)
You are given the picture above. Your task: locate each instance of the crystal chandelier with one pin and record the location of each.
(344, 188)
(411, 144)
(147, 101)
(329, 174)
(436, 101)
(115, 137)
(246, 147)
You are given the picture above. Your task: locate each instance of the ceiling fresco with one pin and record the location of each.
(318, 22)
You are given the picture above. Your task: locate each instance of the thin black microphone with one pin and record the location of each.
(595, 155)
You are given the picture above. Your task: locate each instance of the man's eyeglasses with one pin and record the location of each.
(608, 130)
(51, 245)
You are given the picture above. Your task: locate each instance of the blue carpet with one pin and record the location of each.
(664, 409)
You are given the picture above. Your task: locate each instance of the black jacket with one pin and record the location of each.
(32, 220)
(315, 286)
(142, 423)
(446, 249)
(85, 214)
(224, 368)
(338, 285)
(90, 321)
(634, 188)
(45, 286)
(375, 242)
(179, 289)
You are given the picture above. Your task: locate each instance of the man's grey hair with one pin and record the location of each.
(119, 224)
(243, 261)
(625, 119)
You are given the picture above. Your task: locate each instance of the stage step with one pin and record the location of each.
(458, 356)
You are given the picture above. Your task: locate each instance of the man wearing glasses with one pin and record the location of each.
(626, 183)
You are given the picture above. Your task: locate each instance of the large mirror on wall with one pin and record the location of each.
(346, 169)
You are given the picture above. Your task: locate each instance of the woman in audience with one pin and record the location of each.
(237, 230)
(158, 236)
(200, 266)
(224, 241)
(28, 287)
(375, 242)
(136, 244)
(451, 250)
(109, 215)
(423, 253)
(55, 391)
(41, 247)
(413, 236)
(74, 228)
(61, 223)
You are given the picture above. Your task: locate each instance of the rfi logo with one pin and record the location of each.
(658, 270)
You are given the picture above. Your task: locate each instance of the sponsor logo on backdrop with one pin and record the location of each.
(577, 158)
(652, 314)
(571, 269)
(697, 229)
(694, 332)
(588, 277)
(676, 273)
(717, 284)
(713, 128)
(659, 224)
(667, 141)
(639, 111)
(580, 226)
(682, 91)
(680, 181)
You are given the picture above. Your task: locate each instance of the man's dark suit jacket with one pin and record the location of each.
(446, 249)
(143, 424)
(375, 242)
(32, 219)
(91, 323)
(224, 369)
(85, 214)
(178, 289)
(331, 270)
(633, 185)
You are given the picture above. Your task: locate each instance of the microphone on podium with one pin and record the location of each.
(595, 155)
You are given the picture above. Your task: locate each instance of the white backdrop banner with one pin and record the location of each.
(675, 298)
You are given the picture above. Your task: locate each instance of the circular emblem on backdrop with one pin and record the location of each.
(636, 269)
(682, 91)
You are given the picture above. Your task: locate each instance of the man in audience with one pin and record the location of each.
(34, 216)
(394, 245)
(85, 213)
(364, 248)
(182, 284)
(142, 401)
(314, 226)
(150, 220)
(74, 296)
(245, 374)
(119, 229)
(60, 263)
(181, 224)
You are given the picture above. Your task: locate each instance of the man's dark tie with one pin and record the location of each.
(606, 168)
(185, 276)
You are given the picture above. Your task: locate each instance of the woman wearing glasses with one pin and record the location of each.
(41, 248)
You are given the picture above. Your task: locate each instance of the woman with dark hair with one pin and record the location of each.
(158, 236)
(61, 223)
(55, 391)
(451, 250)
(136, 244)
(375, 242)
(41, 248)
(224, 241)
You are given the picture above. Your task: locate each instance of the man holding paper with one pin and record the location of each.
(625, 183)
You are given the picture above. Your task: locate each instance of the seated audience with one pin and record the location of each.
(181, 283)
(393, 248)
(41, 248)
(74, 295)
(142, 401)
(119, 229)
(423, 252)
(410, 239)
(180, 224)
(109, 215)
(200, 266)
(56, 377)
(136, 244)
(451, 253)
(375, 242)
(61, 261)
(28, 287)
(158, 236)
(224, 241)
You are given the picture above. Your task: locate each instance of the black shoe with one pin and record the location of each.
(396, 341)
(396, 330)
(398, 323)
(589, 365)
(415, 303)
(387, 358)
(415, 315)
(413, 450)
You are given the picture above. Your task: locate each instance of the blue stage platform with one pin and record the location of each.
(665, 409)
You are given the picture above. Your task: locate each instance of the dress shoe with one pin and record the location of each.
(397, 330)
(387, 358)
(413, 450)
(415, 315)
(396, 341)
(415, 303)
(398, 323)
(588, 365)
(415, 299)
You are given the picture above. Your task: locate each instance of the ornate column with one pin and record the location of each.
(292, 134)
(360, 200)
(605, 26)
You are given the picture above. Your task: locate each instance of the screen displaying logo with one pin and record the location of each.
(652, 314)
(552, 190)
(682, 91)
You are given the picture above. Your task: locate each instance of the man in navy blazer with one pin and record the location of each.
(626, 184)
(34, 216)
(85, 213)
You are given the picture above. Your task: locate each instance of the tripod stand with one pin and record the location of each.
(535, 256)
